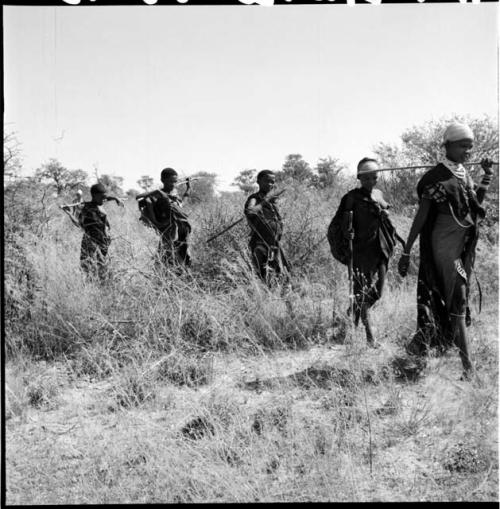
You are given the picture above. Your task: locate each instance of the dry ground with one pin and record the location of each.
(253, 433)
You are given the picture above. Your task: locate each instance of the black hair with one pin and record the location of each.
(263, 173)
(97, 188)
(167, 172)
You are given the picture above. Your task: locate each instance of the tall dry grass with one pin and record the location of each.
(207, 386)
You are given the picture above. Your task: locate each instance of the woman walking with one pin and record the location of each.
(447, 221)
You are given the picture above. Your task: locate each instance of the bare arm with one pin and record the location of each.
(486, 164)
(418, 223)
(113, 198)
(252, 208)
(416, 228)
(187, 192)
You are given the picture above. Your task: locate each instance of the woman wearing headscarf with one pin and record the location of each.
(447, 221)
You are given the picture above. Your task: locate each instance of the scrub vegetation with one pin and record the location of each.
(209, 387)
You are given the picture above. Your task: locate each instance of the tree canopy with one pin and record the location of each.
(295, 168)
(246, 181)
(12, 162)
(202, 189)
(113, 184)
(60, 177)
(145, 182)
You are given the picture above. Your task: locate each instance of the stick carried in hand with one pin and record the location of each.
(350, 266)
(225, 230)
(272, 196)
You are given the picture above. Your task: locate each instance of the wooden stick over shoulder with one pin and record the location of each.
(425, 166)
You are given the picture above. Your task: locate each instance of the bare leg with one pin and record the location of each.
(259, 258)
(374, 294)
(382, 272)
(358, 291)
(365, 318)
(460, 338)
(459, 328)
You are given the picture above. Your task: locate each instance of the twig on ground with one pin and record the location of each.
(60, 432)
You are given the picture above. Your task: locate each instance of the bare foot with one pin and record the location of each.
(467, 375)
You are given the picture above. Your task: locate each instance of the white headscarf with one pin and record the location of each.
(369, 166)
(457, 131)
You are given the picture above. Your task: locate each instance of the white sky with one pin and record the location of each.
(221, 89)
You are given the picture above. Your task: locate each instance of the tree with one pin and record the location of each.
(145, 182)
(26, 206)
(295, 168)
(11, 155)
(400, 186)
(60, 177)
(245, 181)
(328, 172)
(202, 189)
(113, 184)
(132, 193)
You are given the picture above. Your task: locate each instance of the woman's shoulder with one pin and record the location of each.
(436, 174)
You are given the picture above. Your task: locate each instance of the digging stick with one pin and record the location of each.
(238, 221)
(225, 230)
(350, 266)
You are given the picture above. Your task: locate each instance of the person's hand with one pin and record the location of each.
(274, 195)
(118, 202)
(486, 165)
(349, 234)
(404, 264)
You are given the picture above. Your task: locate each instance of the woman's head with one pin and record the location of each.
(458, 141)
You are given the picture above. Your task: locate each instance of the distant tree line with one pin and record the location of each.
(418, 145)
(326, 173)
